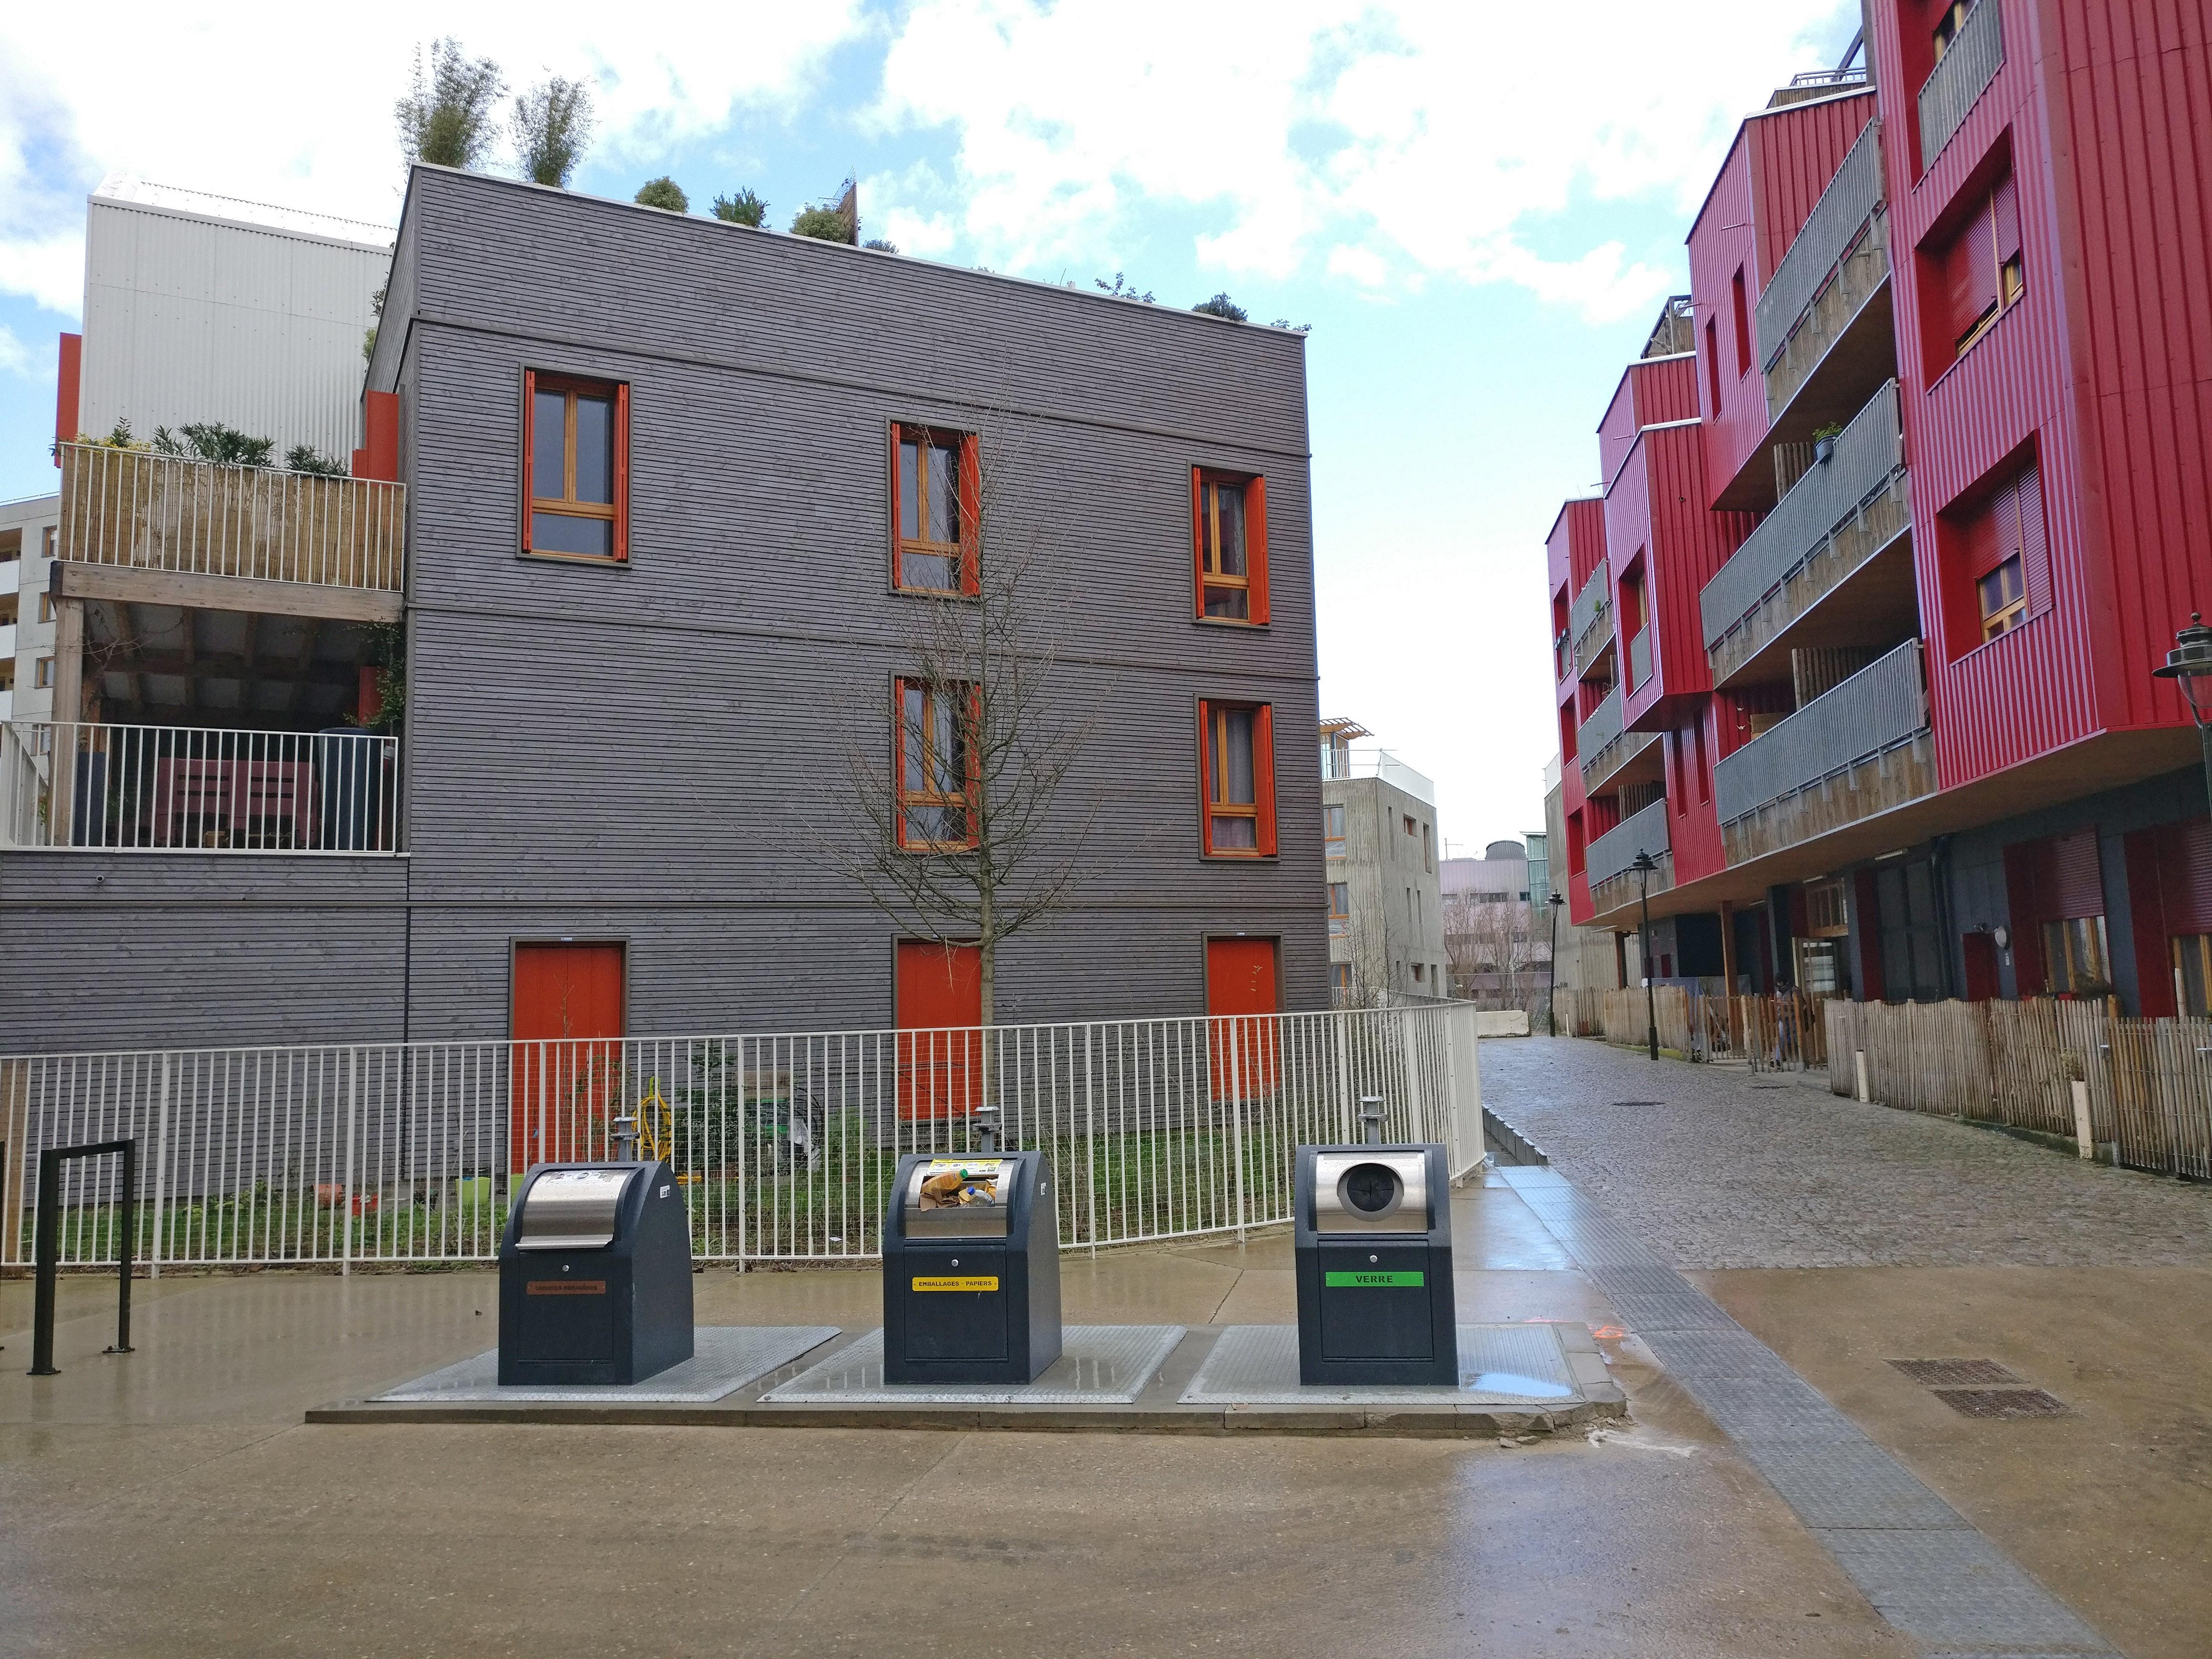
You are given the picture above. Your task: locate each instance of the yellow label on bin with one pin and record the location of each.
(986, 1284)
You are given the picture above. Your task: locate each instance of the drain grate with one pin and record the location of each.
(1935, 1372)
(2004, 1403)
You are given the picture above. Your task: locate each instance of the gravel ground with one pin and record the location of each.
(1716, 1167)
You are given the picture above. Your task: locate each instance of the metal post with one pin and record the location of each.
(345, 1186)
(1643, 866)
(126, 1247)
(1370, 1120)
(1552, 967)
(45, 1251)
(160, 1168)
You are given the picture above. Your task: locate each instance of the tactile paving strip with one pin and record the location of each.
(1098, 1365)
(724, 1358)
(1930, 1574)
(1499, 1365)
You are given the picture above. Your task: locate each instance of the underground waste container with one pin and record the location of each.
(971, 1270)
(595, 1275)
(1373, 1243)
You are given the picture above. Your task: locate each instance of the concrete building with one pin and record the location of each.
(1495, 941)
(1858, 642)
(26, 615)
(647, 511)
(1385, 899)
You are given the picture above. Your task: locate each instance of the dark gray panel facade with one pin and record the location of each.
(658, 753)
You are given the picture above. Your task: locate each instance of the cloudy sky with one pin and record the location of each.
(1478, 207)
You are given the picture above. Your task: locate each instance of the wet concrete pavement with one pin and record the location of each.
(172, 1501)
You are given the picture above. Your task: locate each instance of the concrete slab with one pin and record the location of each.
(724, 1358)
(1499, 1365)
(1098, 1365)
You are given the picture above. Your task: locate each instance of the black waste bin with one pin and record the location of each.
(971, 1270)
(595, 1275)
(1375, 1266)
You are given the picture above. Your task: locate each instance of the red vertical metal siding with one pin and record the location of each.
(1721, 242)
(1694, 822)
(1794, 152)
(1659, 502)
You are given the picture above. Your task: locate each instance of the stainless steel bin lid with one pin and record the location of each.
(958, 1198)
(1371, 1192)
(574, 1209)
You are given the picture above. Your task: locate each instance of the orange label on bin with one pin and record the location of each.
(986, 1284)
(567, 1288)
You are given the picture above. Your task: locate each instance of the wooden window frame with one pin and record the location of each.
(905, 799)
(566, 505)
(1206, 547)
(968, 547)
(1261, 809)
(2010, 615)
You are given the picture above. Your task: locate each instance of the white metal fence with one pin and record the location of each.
(786, 1144)
(172, 788)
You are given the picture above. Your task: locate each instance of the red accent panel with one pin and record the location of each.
(938, 995)
(1255, 546)
(1980, 952)
(68, 387)
(1197, 548)
(2077, 883)
(380, 420)
(529, 445)
(893, 498)
(1241, 979)
(1205, 772)
(1263, 774)
(622, 471)
(2146, 912)
(971, 515)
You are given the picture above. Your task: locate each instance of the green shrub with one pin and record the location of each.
(746, 207)
(211, 441)
(823, 224)
(550, 125)
(445, 118)
(306, 458)
(664, 193)
(1221, 306)
(881, 246)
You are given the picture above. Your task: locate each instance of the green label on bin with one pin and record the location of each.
(1363, 1281)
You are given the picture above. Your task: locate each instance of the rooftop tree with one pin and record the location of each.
(550, 127)
(448, 119)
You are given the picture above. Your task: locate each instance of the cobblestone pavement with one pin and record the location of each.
(1716, 1167)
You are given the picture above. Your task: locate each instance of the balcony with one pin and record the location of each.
(1337, 765)
(90, 788)
(1607, 752)
(1960, 77)
(147, 529)
(1612, 881)
(1842, 515)
(1639, 658)
(1852, 753)
(1824, 323)
(1591, 622)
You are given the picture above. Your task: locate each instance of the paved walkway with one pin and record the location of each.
(1715, 1167)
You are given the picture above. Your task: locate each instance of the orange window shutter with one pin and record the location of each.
(1204, 772)
(1255, 546)
(529, 447)
(621, 471)
(895, 504)
(1197, 543)
(898, 754)
(971, 515)
(1263, 774)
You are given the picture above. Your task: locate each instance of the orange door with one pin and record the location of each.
(565, 997)
(1240, 981)
(939, 995)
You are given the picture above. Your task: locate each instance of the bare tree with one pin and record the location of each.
(967, 837)
(550, 127)
(446, 117)
(1490, 937)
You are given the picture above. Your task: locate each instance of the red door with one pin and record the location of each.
(565, 996)
(939, 991)
(1980, 952)
(1240, 981)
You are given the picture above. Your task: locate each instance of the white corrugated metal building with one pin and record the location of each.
(200, 308)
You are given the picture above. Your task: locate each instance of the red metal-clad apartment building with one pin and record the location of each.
(1902, 503)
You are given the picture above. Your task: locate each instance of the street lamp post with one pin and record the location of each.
(1643, 866)
(1552, 965)
(2189, 665)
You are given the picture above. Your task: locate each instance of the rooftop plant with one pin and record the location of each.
(445, 118)
(1221, 306)
(665, 193)
(746, 207)
(550, 127)
(823, 224)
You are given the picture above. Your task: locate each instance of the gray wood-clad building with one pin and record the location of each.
(676, 492)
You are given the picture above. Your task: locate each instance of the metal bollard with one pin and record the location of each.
(1370, 1120)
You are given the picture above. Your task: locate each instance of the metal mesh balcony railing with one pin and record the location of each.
(1964, 73)
(1611, 853)
(1881, 706)
(1819, 247)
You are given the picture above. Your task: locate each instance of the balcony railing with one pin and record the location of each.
(1613, 852)
(1639, 658)
(1590, 619)
(1337, 764)
(131, 508)
(1838, 262)
(1881, 707)
(1839, 514)
(1976, 54)
(85, 787)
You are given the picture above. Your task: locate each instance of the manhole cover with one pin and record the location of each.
(2003, 1402)
(1933, 1372)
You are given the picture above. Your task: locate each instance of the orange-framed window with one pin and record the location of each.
(1236, 776)
(575, 467)
(937, 510)
(1229, 540)
(940, 766)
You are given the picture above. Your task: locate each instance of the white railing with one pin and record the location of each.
(83, 787)
(1340, 763)
(125, 507)
(406, 1152)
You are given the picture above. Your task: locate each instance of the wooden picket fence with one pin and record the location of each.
(2014, 1063)
(1781, 1032)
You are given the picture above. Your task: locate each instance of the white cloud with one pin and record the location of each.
(1415, 139)
(301, 115)
(16, 358)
